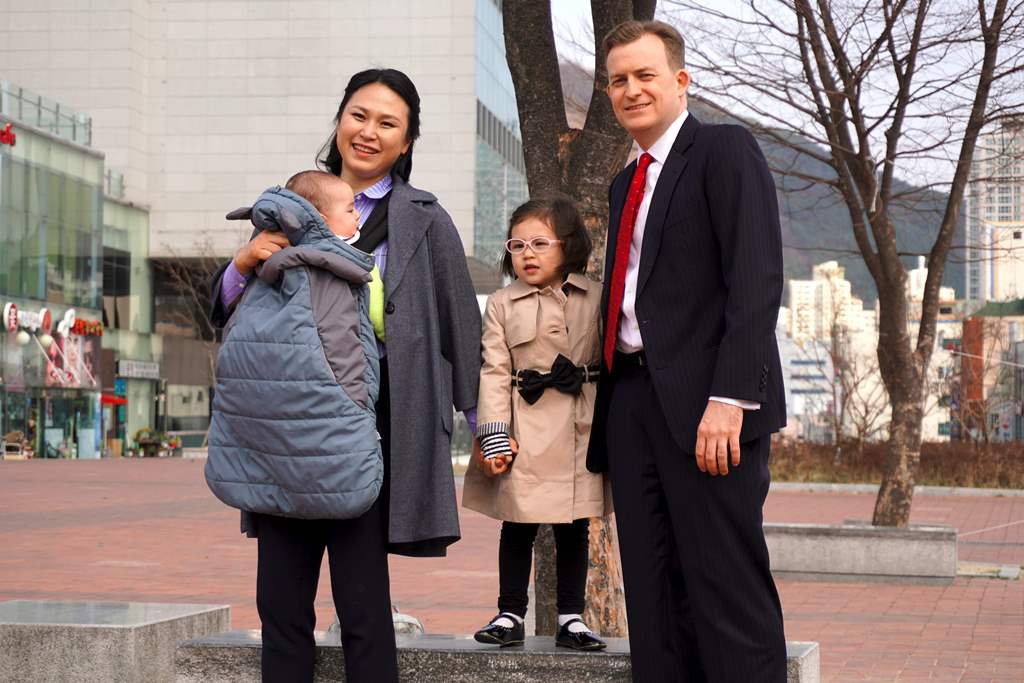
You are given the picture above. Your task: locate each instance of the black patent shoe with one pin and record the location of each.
(504, 636)
(584, 640)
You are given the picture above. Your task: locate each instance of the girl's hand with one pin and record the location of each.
(262, 247)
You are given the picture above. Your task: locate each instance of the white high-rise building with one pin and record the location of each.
(202, 105)
(825, 302)
(994, 212)
(815, 306)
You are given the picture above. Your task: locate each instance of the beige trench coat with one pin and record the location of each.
(525, 328)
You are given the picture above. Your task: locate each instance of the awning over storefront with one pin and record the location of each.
(113, 400)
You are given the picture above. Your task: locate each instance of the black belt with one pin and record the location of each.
(564, 376)
(622, 360)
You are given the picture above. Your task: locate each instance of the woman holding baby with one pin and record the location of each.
(429, 363)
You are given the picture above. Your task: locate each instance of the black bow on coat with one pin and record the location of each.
(564, 376)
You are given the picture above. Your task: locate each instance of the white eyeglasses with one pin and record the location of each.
(538, 244)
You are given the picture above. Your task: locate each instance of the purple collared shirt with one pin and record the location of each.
(233, 283)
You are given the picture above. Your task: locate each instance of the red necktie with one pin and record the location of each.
(622, 244)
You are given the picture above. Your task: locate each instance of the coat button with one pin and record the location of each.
(389, 308)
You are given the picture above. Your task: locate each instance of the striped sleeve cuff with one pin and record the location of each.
(494, 439)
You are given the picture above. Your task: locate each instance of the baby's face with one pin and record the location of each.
(341, 216)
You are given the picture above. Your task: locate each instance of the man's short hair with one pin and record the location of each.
(312, 186)
(632, 30)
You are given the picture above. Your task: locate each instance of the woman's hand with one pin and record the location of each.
(499, 464)
(492, 467)
(262, 247)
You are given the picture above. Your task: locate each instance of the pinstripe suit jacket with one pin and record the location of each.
(709, 285)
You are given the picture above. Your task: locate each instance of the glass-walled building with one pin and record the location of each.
(132, 370)
(500, 169)
(50, 276)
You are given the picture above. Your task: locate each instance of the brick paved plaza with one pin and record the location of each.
(150, 530)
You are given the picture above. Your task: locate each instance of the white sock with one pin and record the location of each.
(576, 627)
(505, 619)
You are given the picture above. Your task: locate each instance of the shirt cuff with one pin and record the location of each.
(231, 284)
(746, 405)
(471, 419)
(494, 440)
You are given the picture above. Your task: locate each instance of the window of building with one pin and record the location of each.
(181, 297)
(117, 288)
(49, 234)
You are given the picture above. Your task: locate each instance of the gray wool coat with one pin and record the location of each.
(432, 326)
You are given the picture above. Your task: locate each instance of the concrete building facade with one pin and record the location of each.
(204, 104)
(815, 306)
(994, 214)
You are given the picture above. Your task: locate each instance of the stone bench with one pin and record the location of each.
(856, 549)
(235, 658)
(126, 642)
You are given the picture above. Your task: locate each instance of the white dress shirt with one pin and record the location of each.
(629, 340)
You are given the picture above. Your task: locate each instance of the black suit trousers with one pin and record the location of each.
(700, 599)
(290, 554)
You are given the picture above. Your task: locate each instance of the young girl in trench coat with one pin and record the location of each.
(541, 349)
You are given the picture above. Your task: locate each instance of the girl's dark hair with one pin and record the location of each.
(561, 214)
(329, 158)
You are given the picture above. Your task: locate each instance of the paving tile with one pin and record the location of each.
(150, 530)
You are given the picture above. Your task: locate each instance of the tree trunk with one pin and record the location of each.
(544, 576)
(580, 163)
(903, 452)
(606, 604)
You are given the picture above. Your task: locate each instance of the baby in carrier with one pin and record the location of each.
(293, 431)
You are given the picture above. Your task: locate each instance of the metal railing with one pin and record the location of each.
(113, 184)
(31, 109)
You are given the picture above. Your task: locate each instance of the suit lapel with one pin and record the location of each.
(408, 222)
(663, 191)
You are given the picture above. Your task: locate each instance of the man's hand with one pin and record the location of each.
(718, 435)
(262, 247)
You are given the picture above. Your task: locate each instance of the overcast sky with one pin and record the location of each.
(573, 16)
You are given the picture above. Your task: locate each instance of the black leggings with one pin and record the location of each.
(515, 558)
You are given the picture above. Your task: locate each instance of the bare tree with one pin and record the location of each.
(186, 304)
(849, 376)
(879, 88)
(580, 162)
(867, 407)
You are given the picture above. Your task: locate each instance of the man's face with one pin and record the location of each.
(647, 94)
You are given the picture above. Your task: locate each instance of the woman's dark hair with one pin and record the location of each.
(561, 214)
(329, 158)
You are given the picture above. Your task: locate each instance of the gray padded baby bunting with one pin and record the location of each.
(293, 431)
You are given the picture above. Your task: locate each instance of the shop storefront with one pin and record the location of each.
(49, 396)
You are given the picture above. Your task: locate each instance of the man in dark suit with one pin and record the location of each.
(691, 387)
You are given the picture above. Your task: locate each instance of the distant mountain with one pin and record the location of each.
(815, 223)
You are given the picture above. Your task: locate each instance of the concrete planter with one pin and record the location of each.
(857, 549)
(99, 641)
(235, 658)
